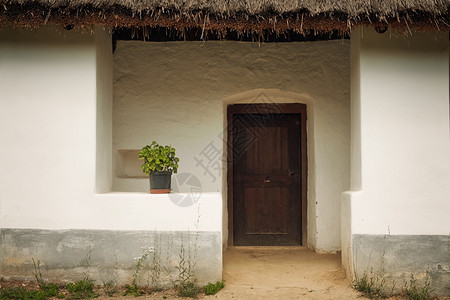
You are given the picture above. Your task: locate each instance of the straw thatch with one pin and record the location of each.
(238, 15)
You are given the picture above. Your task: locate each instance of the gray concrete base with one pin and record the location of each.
(400, 256)
(106, 256)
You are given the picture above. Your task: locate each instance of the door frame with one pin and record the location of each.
(266, 108)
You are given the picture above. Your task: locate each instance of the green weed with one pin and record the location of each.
(133, 289)
(188, 289)
(371, 286)
(83, 289)
(21, 293)
(413, 291)
(47, 289)
(183, 268)
(213, 288)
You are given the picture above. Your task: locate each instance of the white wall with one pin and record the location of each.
(400, 152)
(55, 95)
(55, 120)
(405, 144)
(355, 154)
(104, 87)
(47, 116)
(176, 93)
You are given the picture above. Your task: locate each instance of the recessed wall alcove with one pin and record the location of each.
(128, 164)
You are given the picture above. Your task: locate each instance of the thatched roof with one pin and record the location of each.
(237, 15)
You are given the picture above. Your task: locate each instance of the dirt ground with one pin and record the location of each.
(271, 273)
(283, 273)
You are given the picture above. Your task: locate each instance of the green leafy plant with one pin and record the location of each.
(188, 289)
(213, 288)
(158, 158)
(413, 291)
(133, 289)
(83, 289)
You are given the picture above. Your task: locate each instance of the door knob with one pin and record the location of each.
(291, 173)
(267, 179)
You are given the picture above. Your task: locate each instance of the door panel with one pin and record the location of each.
(271, 207)
(267, 179)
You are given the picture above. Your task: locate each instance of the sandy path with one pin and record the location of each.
(284, 273)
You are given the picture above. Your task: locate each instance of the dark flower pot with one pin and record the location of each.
(160, 182)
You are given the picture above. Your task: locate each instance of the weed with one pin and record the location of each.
(155, 266)
(412, 291)
(187, 261)
(37, 272)
(83, 289)
(47, 289)
(50, 289)
(371, 286)
(110, 288)
(185, 271)
(188, 289)
(133, 288)
(21, 293)
(166, 268)
(183, 267)
(213, 288)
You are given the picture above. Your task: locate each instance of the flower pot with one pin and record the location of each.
(160, 182)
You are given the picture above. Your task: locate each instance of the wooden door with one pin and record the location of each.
(267, 178)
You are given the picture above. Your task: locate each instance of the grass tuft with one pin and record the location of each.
(21, 293)
(133, 289)
(83, 289)
(213, 288)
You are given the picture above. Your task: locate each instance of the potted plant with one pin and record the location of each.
(159, 163)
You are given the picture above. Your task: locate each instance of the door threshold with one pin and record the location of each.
(268, 247)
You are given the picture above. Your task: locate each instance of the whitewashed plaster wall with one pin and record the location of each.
(405, 144)
(176, 93)
(48, 93)
(104, 87)
(400, 160)
(55, 120)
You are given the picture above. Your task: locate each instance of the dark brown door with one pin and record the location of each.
(267, 178)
